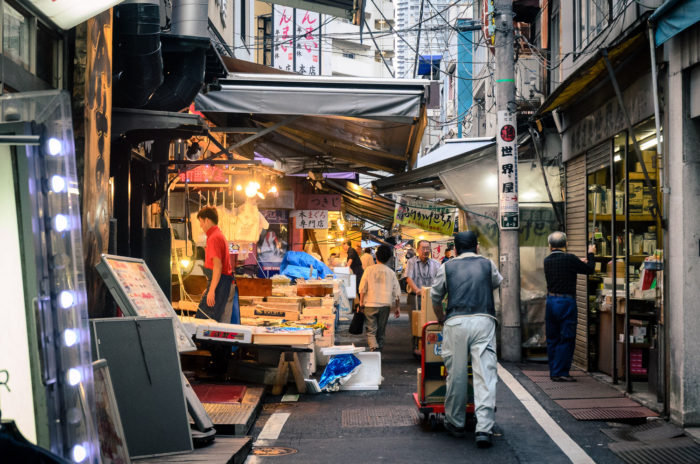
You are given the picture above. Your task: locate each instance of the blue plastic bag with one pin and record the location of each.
(296, 264)
(339, 367)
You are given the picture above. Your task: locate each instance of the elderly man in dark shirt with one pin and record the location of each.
(560, 270)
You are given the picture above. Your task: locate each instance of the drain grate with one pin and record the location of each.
(654, 430)
(577, 403)
(674, 451)
(272, 451)
(380, 417)
(612, 413)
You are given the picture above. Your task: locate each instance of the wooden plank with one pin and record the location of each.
(224, 450)
(281, 376)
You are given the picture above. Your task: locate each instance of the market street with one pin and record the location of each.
(382, 426)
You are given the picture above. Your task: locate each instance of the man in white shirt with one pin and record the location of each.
(367, 259)
(379, 292)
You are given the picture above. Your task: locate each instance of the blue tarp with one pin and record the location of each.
(673, 17)
(296, 264)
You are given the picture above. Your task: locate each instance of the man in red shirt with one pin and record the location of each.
(217, 267)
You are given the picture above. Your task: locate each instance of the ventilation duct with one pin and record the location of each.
(180, 59)
(138, 64)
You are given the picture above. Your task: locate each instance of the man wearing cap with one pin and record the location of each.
(561, 315)
(469, 331)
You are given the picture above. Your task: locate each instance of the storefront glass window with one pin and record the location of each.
(625, 230)
(15, 35)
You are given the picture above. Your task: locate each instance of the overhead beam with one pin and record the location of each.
(265, 131)
(236, 130)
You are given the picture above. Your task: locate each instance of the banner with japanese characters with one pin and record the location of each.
(426, 216)
(507, 146)
(283, 37)
(297, 40)
(311, 218)
(308, 43)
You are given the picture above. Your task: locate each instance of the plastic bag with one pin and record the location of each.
(338, 371)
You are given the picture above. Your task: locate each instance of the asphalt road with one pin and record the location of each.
(381, 426)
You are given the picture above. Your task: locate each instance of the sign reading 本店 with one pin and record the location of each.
(311, 218)
(297, 40)
(507, 153)
(425, 216)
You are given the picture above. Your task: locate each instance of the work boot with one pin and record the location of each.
(563, 378)
(483, 440)
(454, 430)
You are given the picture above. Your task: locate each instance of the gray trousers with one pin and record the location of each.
(475, 337)
(375, 325)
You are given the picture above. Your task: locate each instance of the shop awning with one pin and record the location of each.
(328, 123)
(452, 148)
(363, 203)
(426, 179)
(589, 74)
(673, 17)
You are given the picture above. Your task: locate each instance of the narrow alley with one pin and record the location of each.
(383, 425)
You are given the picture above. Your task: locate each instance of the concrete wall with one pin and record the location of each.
(682, 243)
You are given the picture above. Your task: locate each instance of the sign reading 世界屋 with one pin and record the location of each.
(425, 216)
(297, 40)
(507, 144)
(311, 218)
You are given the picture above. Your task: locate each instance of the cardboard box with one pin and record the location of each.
(416, 323)
(650, 160)
(317, 311)
(427, 305)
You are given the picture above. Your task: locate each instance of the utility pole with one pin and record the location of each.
(420, 25)
(507, 154)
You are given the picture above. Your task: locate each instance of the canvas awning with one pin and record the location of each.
(452, 148)
(363, 203)
(590, 73)
(427, 178)
(328, 123)
(673, 17)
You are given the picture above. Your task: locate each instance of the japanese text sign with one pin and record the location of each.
(507, 153)
(314, 201)
(311, 218)
(425, 216)
(297, 40)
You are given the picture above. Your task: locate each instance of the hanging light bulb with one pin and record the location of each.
(252, 189)
(260, 195)
(329, 236)
(239, 187)
(185, 263)
(273, 189)
(341, 226)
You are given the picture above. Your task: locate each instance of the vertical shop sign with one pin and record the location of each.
(507, 144)
(283, 36)
(311, 218)
(308, 43)
(98, 115)
(297, 40)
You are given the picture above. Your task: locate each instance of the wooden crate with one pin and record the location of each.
(274, 301)
(314, 290)
(263, 336)
(258, 311)
(317, 311)
(254, 287)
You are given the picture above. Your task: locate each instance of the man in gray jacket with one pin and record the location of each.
(469, 331)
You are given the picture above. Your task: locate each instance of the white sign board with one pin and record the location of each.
(308, 43)
(283, 37)
(507, 143)
(297, 40)
(311, 218)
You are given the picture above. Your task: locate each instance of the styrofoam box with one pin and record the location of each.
(368, 375)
